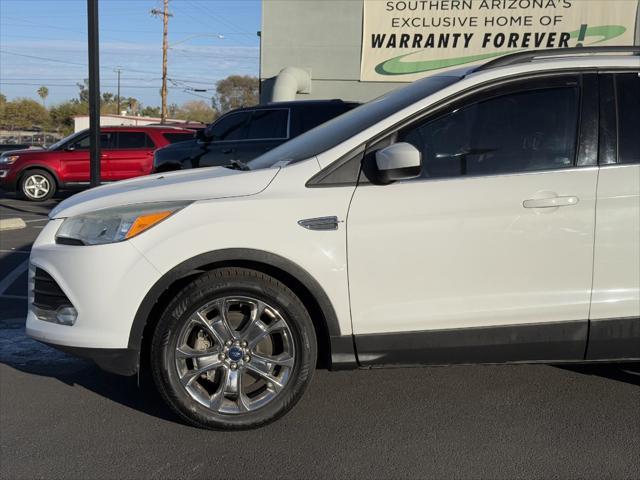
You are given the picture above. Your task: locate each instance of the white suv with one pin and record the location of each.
(486, 215)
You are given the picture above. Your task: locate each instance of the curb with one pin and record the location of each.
(12, 224)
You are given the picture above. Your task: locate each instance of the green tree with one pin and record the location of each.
(236, 91)
(132, 103)
(150, 112)
(172, 110)
(108, 100)
(63, 113)
(23, 113)
(196, 111)
(83, 91)
(43, 93)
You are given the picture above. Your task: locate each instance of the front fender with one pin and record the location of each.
(343, 354)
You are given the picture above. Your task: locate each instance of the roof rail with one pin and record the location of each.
(530, 55)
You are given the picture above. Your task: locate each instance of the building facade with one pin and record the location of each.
(81, 122)
(360, 49)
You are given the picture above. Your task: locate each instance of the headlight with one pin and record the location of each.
(115, 224)
(9, 160)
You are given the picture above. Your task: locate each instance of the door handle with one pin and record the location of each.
(550, 202)
(104, 155)
(228, 150)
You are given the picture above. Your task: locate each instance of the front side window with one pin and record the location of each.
(268, 124)
(628, 93)
(106, 141)
(517, 132)
(230, 127)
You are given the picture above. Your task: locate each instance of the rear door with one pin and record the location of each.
(615, 303)
(130, 155)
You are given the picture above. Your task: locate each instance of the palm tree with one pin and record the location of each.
(43, 92)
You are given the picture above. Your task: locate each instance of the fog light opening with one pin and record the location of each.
(66, 315)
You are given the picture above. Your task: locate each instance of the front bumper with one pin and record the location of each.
(121, 361)
(105, 284)
(7, 179)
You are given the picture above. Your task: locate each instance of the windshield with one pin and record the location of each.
(345, 126)
(60, 143)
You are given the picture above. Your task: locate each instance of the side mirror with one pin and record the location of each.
(399, 161)
(70, 148)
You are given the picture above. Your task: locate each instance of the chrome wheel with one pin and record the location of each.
(234, 354)
(37, 186)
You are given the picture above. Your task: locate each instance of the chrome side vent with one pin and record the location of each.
(320, 223)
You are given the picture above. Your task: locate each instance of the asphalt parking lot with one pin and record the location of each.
(61, 417)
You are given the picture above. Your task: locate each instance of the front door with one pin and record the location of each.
(74, 160)
(227, 133)
(488, 256)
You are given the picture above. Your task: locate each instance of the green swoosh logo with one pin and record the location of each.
(395, 66)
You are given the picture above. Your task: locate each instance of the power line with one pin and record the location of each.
(202, 22)
(106, 67)
(75, 85)
(154, 32)
(223, 19)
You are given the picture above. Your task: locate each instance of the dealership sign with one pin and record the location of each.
(403, 40)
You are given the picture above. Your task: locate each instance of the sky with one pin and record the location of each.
(44, 42)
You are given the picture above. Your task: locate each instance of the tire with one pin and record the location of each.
(218, 378)
(37, 185)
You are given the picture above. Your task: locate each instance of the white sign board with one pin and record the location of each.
(403, 40)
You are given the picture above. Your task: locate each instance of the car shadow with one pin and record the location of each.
(34, 358)
(621, 372)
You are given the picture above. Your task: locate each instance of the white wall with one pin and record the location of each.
(82, 122)
(321, 35)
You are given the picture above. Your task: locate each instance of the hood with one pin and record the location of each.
(196, 184)
(25, 151)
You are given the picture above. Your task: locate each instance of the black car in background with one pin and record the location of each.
(246, 133)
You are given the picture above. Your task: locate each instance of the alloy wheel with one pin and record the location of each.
(234, 354)
(37, 186)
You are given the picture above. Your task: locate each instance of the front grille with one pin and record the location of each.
(47, 294)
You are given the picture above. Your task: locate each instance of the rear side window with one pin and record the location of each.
(268, 124)
(518, 132)
(177, 137)
(230, 127)
(628, 93)
(133, 140)
(312, 117)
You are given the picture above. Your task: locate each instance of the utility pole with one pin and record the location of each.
(94, 92)
(118, 97)
(165, 45)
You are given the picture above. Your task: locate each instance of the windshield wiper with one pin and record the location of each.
(237, 165)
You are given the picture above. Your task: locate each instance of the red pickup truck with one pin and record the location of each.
(125, 152)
